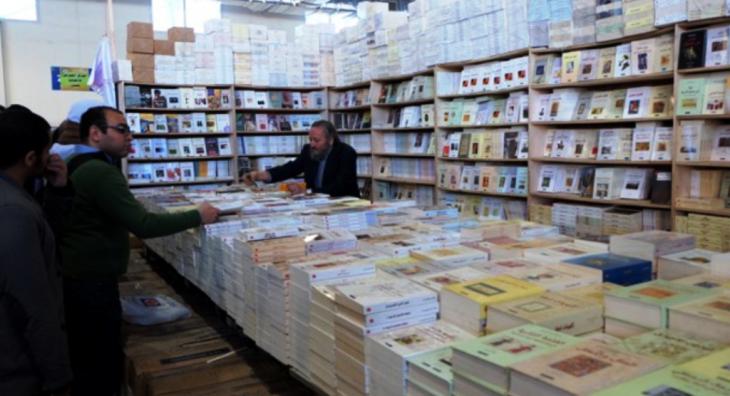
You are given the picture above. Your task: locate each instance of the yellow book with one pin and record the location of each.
(712, 369)
(571, 63)
(466, 304)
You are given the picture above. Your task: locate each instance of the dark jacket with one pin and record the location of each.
(34, 353)
(95, 241)
(340, 171)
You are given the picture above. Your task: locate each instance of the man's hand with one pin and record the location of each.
(56, 172)
(251, 177)
(208, 214)
(295, 188)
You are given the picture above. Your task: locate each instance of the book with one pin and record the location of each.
(712, 311)
(606, 62)
(563, 144)
(579, 369)
(541, 68)
(571, 67)
(721, 146)
(555, 311)
(373, 298)
(617, 269)
(641, 147)
(660, 101)
(432, 372)
(714, 95)
(664, 57)
(642, 56)
(559, 277)
(600, 102)
(488, 361)
(692, 49)
(647, 304)
(711, 370)
(583, 107)
(589, 64)
(690, 140)
(636, 184)
(622, 60)
(660, 187)
(466, 304)
(637, 102)
(608, 183)
(661, 381)
(617, 103)
(547, 180)
(649, 245)
(683, 264)
(670, 346)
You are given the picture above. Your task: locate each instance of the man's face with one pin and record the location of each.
(116, 138)
(319, 143)
(41, 161)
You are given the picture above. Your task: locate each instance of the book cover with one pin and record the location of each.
(606, 62)
(617, 103)
(670, 346)
(711, 369)
(372, 298)
(714, 95)
(133, 120)
(622, 63)
(589, 64)
(660, 101)
(582, 108)
(721, 145)
(690, 140)
(716, 49)
(637, 102)
(636, 183)
(571, 67)
(662, 382)
(692, 49)
(642, 56)
(662, 147)
(600, 102)
(664, 58)
(491, 290)
(641, 147)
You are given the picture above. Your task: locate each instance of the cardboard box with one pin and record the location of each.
(144, 76)
(139, 30)
(182, 34)
(141, 61)
(164, 47)
(140, 45)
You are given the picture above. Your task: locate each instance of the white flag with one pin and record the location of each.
(101, 79)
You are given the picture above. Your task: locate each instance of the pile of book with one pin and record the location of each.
(486, 207)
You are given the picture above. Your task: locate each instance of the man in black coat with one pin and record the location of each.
(329, 165)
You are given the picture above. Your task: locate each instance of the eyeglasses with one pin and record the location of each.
(121, 128)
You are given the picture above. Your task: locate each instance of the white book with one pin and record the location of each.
(637, 102)
(714, 100)
(542, 107)
(716, 50)
(664, 54)
(173, 147)
(249, 100)
(585, 144)
(642, 56)
(523, 146)
(548, 178)
(636, 184)
(588, 65)
(600, 103)
(372, 298)
(622, 65)
(467, 175)
(562, 104)
(690, 140)
(662, 147)
(262, 99)
(555, 70)
(224, 146)
(454, 143)
(583, 107)
(642, 145)
(159, 148)
(721, 145)
(133, 120)
(669, 11)
(569, 178)
(521, 67)
(608, 183)
(187, 171)
(612, 144)
(223, 123)
(563, 144)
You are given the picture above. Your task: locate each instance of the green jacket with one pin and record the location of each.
(95, 239)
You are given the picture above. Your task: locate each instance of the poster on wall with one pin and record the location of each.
(70, 78)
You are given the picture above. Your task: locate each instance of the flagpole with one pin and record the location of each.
(110, 29)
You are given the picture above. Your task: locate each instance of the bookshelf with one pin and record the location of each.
(587, 120)
(403, 116)
(701, 179)
(194, 117)
(478, 114)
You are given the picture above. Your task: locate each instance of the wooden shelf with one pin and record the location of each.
(361, 84)
(510, 160)
(273, 133)
(703, 22)
(486, 194)
(405, 180)
(607, 43)
(363, 153)
(413, 155)
(402, 77)
(180, 85)
(589, 161)
(357, 130)
(708, 69)
(269, 155)
(365, 176)
(352, 108)
(704, 164)
(667, 76)
(502, 56)
(269, 88)
(156, 110)
(484, 93)
(713, 212)
(180, 134)
(704, 117)
(277, 110)
(181, 159)
(618, 202)
(406, 129)
(182, 183)
(598, 122)
(500, 125)
(406, 103)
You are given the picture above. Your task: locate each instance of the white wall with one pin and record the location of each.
(66, 34)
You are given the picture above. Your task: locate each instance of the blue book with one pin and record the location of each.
(621, 270)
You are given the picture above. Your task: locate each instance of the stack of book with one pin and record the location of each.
(684, 264)
(707, 318)
(711, 231)
(505, 247)
(670, 346)
(484, 365)
(559, 277)
(438, 280)
(639, 308)
(374, 308)
(556, 311)
(649, 245)
(466, 304)
(430, 373)
(557, 253)
(581, 368)
(387, 354)
(617, 269)
(542, 214)
(407, 267)
(452, 257)
(664, 379)
(343, 218)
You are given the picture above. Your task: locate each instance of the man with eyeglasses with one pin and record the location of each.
(95, 248)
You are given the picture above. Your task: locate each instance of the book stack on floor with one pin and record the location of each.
(430, 374)
(557, 253)
(438, 280)
(387, 353)
(369, 309)
(564, 313)
(670, 346)
(640, 308)
(707, 318)
(483, 366)
(684, 264)
(649, 245)
(579, 369)
(466, 304)
(559, 277)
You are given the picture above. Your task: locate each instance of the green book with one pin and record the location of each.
(432, 372)
(660, 382)
(691, 96)
(670, 346)
(487, 360)
(646, 304)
